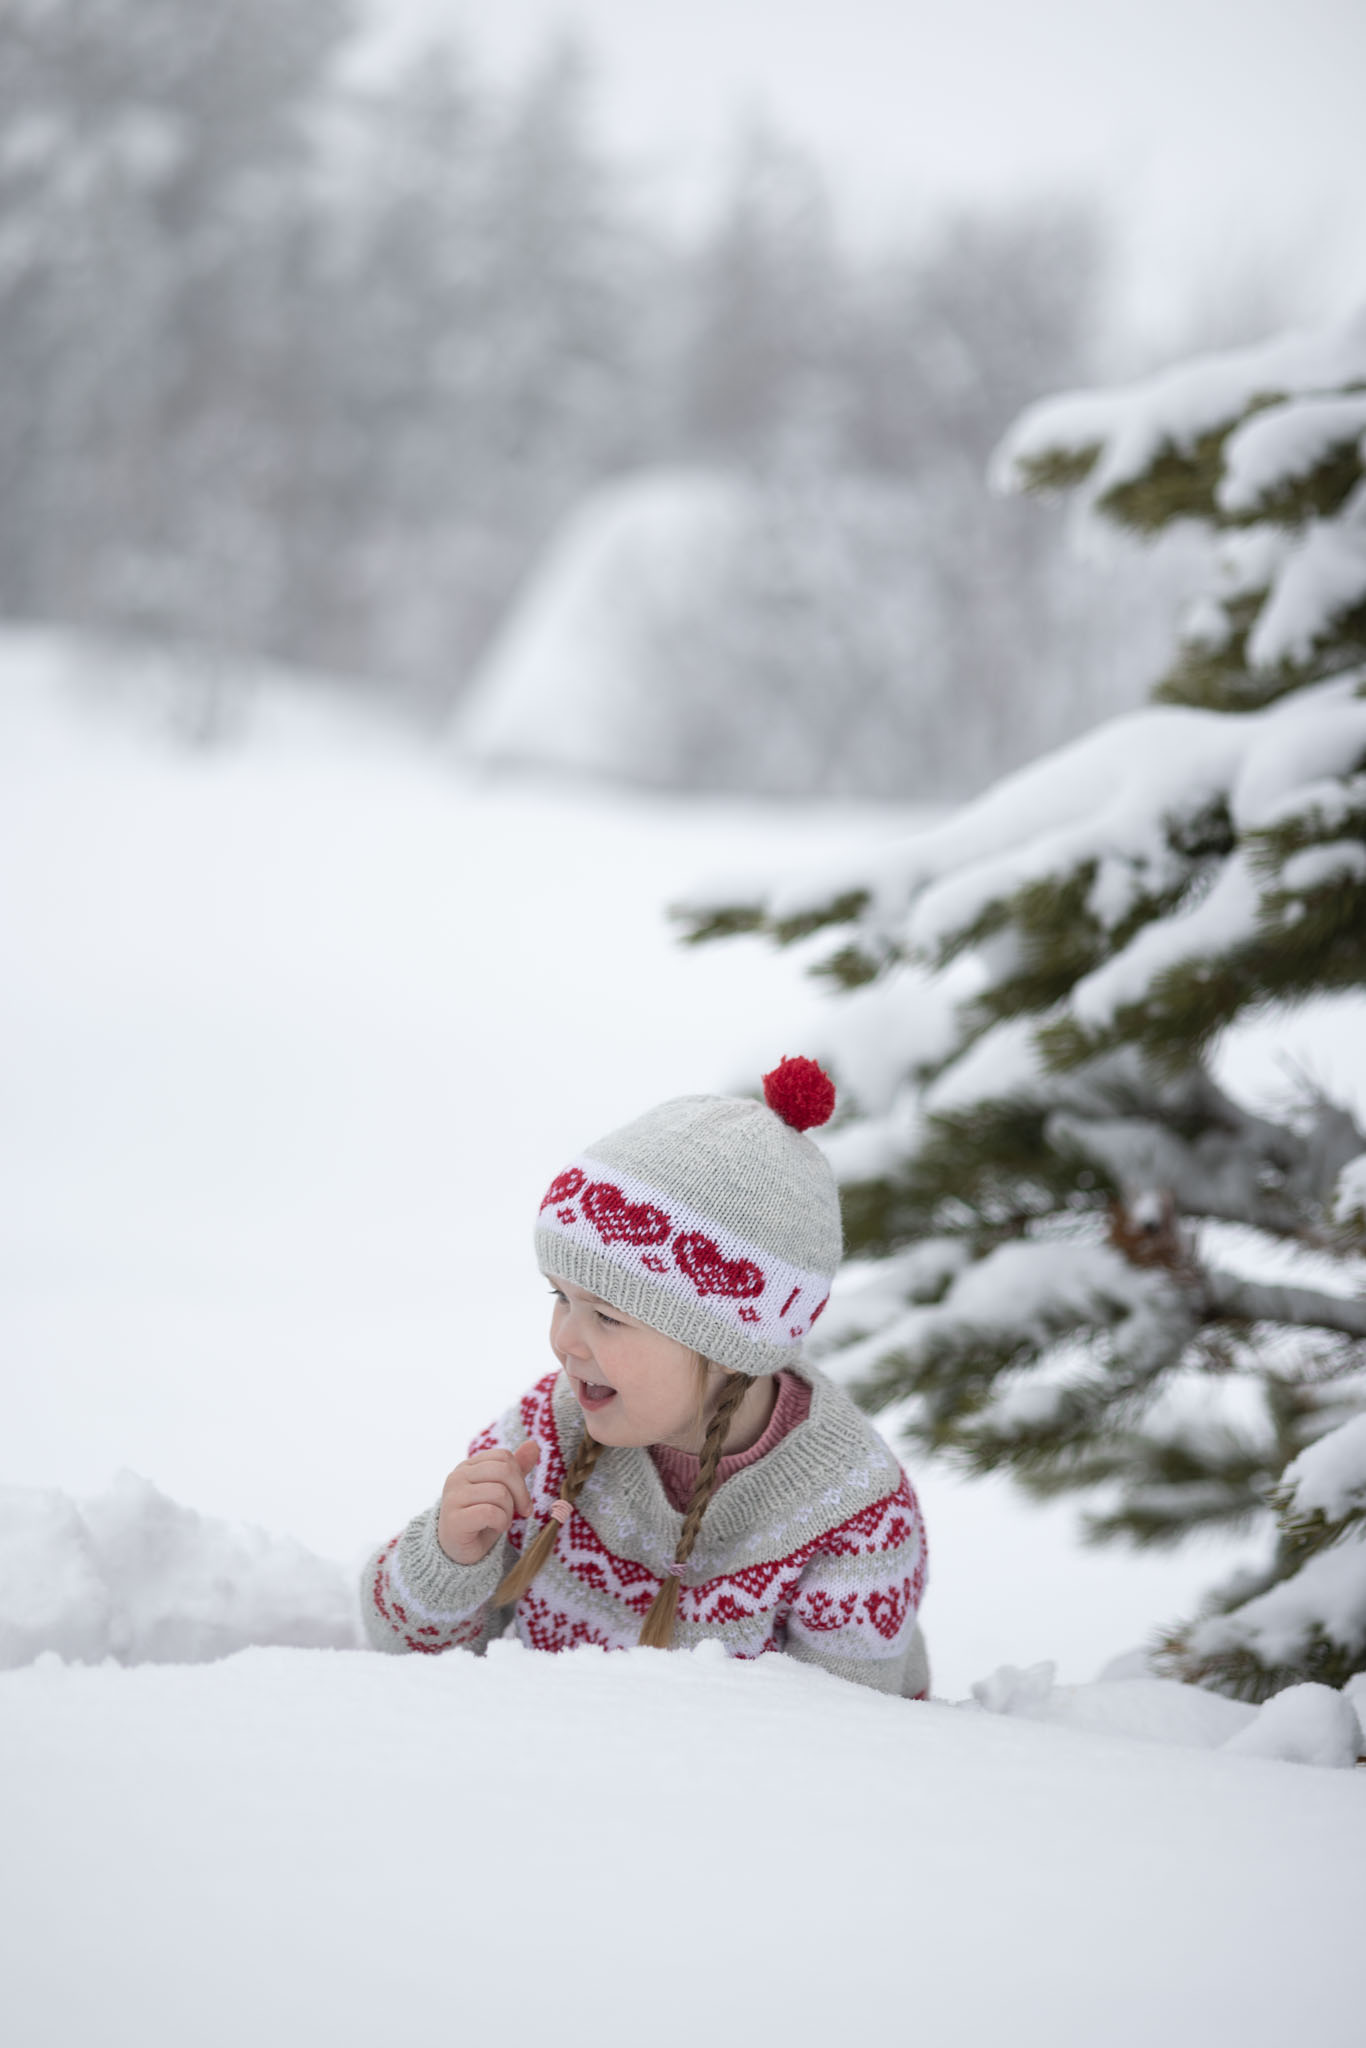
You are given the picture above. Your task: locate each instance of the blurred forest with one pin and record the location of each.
(302, 365)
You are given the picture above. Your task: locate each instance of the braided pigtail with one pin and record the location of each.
(535, 1553)
(658, 1632)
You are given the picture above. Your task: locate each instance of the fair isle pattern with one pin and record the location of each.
(845, 1597)
(687, 1254)
(417, 1628)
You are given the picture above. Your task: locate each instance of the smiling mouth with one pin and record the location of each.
(591, 1393)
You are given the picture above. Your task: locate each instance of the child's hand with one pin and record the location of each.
(481, 1497)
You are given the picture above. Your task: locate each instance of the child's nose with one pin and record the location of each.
(573, 1338)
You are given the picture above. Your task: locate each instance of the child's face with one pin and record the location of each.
(634, 1385)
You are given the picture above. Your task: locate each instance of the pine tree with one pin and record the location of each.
(1081, 1258)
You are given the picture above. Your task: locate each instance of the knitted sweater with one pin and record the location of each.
(678, 1469)
(816, 1549)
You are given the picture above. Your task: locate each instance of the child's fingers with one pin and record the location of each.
(490, 1492)
(480, 1515)
(468, 1534)
(510, 1469)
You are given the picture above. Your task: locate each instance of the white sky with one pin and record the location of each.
(1229, 136)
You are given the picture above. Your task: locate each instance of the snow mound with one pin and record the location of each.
(566, 683)
(133, 1575)
(1305, 1724)
(1148, 1709)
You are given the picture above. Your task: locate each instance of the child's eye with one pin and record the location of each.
(611, 1322)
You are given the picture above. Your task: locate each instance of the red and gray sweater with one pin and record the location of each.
(815, 1548)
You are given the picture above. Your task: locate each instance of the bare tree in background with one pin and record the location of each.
(298, 370)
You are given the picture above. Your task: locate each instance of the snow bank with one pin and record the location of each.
(1146, 1709)
(297, 1847)
(132, 1575)
(1306, 1724)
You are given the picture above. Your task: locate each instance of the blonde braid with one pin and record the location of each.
(535, 1553)
(658, 1631)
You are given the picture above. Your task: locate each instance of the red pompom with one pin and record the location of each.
(801, 1092)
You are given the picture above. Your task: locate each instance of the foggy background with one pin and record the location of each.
(615, 390)
(467, 474)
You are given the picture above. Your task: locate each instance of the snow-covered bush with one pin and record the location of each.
(1082, 1259)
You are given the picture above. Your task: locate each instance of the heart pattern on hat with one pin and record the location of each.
(711, 1272)
(618, 1221)
(564, 1187)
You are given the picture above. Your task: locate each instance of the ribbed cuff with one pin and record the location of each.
(444, 1590)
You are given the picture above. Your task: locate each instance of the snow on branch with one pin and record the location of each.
(1253, 1302)
(1330, 1477)
(1104, 441)
(1314, 1620)
(1025, 1296)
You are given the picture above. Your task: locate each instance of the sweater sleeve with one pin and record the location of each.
(414, 1597)
(854, 1609)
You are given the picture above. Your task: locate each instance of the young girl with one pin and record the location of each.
(684, 1473)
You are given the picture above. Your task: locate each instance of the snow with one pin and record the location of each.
(1309, 579)
(1350, 1199)
(1103, 798)
(1297, 744)
(1331, 1475)
(1003, 1064)
(1285, 441)
(1147, 1709)
(1031, 1290)
(1316, 867)
(1128, 427)
(562, 685)
(1219, 921)
(296, 1846)
(131, 1574)
(1305, 1724)
(1106, 799)
(1326, 1595)
(1323, 579)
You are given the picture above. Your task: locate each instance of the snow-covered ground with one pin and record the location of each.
(298, 1847)
(293, 1033)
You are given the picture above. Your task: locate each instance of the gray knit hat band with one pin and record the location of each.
(711, 1220)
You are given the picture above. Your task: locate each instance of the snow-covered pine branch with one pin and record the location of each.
(1039, 1165)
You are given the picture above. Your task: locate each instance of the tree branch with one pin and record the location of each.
(1254, 1302)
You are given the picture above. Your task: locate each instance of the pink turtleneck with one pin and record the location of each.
(678, 1469)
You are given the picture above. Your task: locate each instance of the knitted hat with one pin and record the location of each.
(712, 1219)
